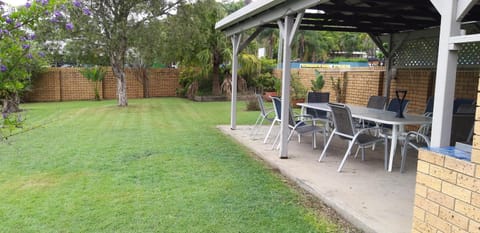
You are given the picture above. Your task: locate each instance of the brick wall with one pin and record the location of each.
(64, 84)
(447, 193)
(360, 86)
(421, 85)
(418, 83)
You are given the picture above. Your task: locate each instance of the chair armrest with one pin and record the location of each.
(362, 130)
(416, 135)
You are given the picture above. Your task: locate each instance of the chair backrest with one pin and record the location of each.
(377, 102)
(277, 106)
(342, 120)
(462, 125)
(260, 104)
(394, 105)
(429, 107)
(317, 97)
(466, 109)
(460, 101)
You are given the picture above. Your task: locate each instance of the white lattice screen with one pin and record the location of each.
(423, 53)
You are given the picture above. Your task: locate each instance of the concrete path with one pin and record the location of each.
(363, 193)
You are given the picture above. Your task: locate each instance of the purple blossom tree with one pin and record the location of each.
(18, 53)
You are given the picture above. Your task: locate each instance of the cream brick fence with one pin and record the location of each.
(66, 84)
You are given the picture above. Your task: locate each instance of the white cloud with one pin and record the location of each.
(15, 2)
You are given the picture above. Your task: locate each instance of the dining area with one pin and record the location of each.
(377, 125)
(361, 160)
(332, 164)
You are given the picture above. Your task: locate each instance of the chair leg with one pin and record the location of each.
(269, 131)
(356, 153)
(386, 153)
(275, 141)
(324, 137)
(326, 146)
(289, 137)
(404, 156)
(345, 157)
(258, 119)
(314, 138)
(363, 153)
(257, 126)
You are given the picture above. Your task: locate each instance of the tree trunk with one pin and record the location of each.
(145, 81)
(11, 103)
(216, 74)
(119, 73)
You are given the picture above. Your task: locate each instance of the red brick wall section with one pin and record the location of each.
(65, 84)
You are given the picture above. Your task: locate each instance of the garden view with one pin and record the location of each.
(143, 165)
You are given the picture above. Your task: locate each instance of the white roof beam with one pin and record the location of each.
(249, 39)
(464, 7)
(246, 12)
(290, 8)
(296, 25)
(464, 39)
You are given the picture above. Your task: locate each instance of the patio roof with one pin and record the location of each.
(376, 17)
(371, 16)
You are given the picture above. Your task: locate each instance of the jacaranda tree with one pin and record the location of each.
(19, 57)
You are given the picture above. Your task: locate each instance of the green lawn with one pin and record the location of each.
(159, 165)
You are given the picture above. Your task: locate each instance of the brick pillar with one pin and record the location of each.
(447, 193)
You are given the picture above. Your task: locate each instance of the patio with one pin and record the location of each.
(363, 193)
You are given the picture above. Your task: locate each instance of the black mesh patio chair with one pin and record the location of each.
(276, 119)
(429, 107)
(427, 128)
(344, 128)
(411, 140)
(299, 124)
(461, 101)
(265, 114)
(394, 105)
(375, 102)
(317, 97)
(463, 121)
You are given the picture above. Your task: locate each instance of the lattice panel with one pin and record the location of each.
(423, 53)
(417, 53)
(469, 54)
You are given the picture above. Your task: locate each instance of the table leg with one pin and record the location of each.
(393, 146)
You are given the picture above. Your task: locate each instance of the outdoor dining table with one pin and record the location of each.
(380, 117)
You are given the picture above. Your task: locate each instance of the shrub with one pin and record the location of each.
(252, 103)
(318, 83)
(96, 75)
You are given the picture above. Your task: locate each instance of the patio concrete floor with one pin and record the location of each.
(363, 193)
